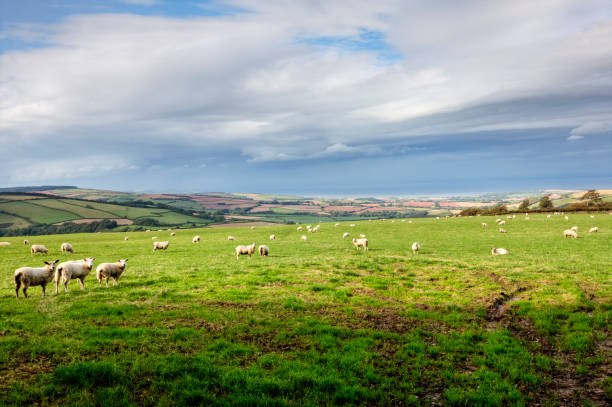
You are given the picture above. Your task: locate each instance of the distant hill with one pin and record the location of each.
(35, 188)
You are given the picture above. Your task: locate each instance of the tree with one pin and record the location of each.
(545, 202)
(525, 204)
(592, 197)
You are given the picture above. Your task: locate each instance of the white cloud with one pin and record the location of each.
(574, 138)
(592, 128)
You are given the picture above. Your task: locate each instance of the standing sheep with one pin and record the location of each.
(499, 251)
(345, 235)
(593, 230)
(264, 251)
(240, 250)
(272, 237)
(502, 230)
(196, 239)
(336, 225)
(160, 246)
(232, 238)
(570, 233)
(110, 270)
(416, 247)
(299, 229)
(172, 234)
(360, 243)
(352, 225)
(126, 238)
(502, 223)
(26, 242)
(362, 235)
(66, 248)
(304, 238)
(38, 248)
(28, 276)
(484, 225)
(68, 270)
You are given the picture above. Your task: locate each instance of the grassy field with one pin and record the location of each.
(318, 322)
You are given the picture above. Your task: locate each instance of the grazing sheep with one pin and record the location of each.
(172, 234)
(68, 270)
(38, 248)
(591, 216)
(240, 250)
(29, 276)
(66, 248)
(299, 229)
(154, 237)
(593, 230)
(498, 251)
(548, 216)
(416, 247)
(352, 225)
(566, 217)
(360, 243)
(437, 217)
(502, 230)
(574, 228)
(272, 237)
(304, 238)
(570, 233)
(403, 220)
(26, 242)
(232, 238)
(148, 230)
(362, 235)
(484, 225)
(160, 246)
(502, 223)
(196, 239)
(336, 225)
(264, 250)
(126, 238)
(498, 220)
(345, 235)
(5, 243)
(252, 227)
(110, 270)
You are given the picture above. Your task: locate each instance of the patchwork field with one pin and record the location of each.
(318, 322)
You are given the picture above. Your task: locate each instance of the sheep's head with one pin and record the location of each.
(52, 264)
(122, 262)
(89, 261)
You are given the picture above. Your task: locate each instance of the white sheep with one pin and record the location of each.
(5, 243)
(498, 251)
(68, 270)
(160, 246)
(154, 237)
(263, 250)
(484, 225)
(26, 242)
(148, 230)
(548, 216)
(502, 230)
(362, 235)
(591, 216)
(593, 230)
(252, 227)
(299, 229)
(345, 235)
(570, 233)
(172, 234)
(30, 276)
(66, 248)
(508, 217)
(502, 223)
(566, 217)
(352, 225)
(304, 238)
(196, 239)
(416, 247)
(232, 238)
(526, 217)
(336, 225)
(240, 250)
(38, 248)
(574, 228)
(360, 243)
(498, 220)
(126, 238)
(110, 270)
(403, 220)
(272, 237)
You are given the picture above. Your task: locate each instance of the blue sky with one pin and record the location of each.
(306, 97)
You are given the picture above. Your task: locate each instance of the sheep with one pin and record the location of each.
(352, 225)
(38, 248)
(240, 250)
(232, 238)
(403, 220)
(548, 216)
(78, 269)
(513, 216)
(196, 239)
(484, 225)
(172, 234)
(26, 242)
(526, 217)
(416, 247)
(360, 243)
(502, 230)
(304, 238)
(160, 246)
(5, 243)
(591, 216)
(148, 230)
(362, 235)
(314, 230)
(264, 250)
(566, 217)
(345, 235)
(336, 225)
(272, 237)
(574, 228)
(29, 276)
(502, 223)
(154, 237)
(110, 270)
(66, 247)
(498, 251)
(252, 227)
(593, 230)
(299, 229)
(437, 218)
(570, 233)
(126, 238)
(508, 217)
(498, 220)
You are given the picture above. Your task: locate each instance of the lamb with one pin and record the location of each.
(361, 243)
(499, 251)
(304, 238)
(502, 230)
(196, 239)
(593, 230)
(232, 238)
(29, 276)
(416, 247)
(110, 270)
(272, 237)
(78, 269)
(484, 225)
(299, 229)
(240, 250)
(172, 234)
(574, 228)
(66, 247)
(160, 246)
(26, 242)
(570, 233)
(345, 235)
(264, 250)
(38, 248)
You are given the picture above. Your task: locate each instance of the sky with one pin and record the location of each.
(306, 97)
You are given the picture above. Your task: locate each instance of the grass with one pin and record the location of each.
(319, 323)
(37, 213)
(11, 221)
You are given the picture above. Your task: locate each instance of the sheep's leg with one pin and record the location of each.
(106, 282)
(43, 288)
(25, 289)
(17, 286)
(82, 283)
(116, 280)
(66, 281)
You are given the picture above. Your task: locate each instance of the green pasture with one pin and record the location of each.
(319, 322)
